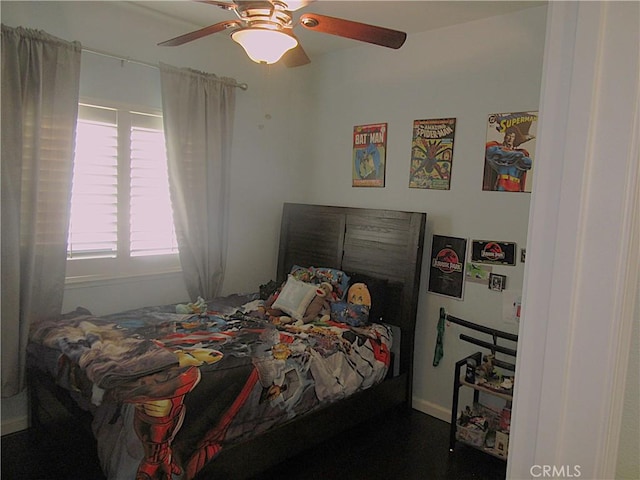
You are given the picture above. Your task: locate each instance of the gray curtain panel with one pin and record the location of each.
(198, 110)
(40, 88)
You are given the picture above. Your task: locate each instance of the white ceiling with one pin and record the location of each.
(408, 16)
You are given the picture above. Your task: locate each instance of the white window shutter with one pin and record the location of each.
(94, 202)
(151, 216)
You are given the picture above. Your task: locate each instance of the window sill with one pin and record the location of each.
(84, 281)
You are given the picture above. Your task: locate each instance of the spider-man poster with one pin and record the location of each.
(432, 153)
(446, 270)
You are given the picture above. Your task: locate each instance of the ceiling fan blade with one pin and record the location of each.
(384, 37)
(203, 32)
(296, 57)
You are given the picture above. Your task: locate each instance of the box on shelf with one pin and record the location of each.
(492, 416)
(471, 434)
(505, 419)
(502, 444)
(473, 425)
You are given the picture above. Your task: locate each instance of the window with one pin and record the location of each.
(120, 203)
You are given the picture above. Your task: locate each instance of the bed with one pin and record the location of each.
(176, 411)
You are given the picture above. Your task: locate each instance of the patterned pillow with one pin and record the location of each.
(295, 297)
(350, 313)
(301, 273)
(337, 278)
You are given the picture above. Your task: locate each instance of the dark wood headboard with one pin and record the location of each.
(385, 244)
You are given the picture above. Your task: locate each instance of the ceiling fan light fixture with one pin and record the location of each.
(264, 45)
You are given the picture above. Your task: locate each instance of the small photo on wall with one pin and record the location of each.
(509, 152)
(432, 153)
(369, 155)
(446, 272)
(497, 282)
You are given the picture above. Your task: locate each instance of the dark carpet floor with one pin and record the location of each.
(400, 445)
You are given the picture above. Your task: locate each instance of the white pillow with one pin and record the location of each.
(295, 297)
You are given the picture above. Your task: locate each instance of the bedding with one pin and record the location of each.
(169, 391)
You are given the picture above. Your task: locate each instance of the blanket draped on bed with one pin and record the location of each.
(170, 391)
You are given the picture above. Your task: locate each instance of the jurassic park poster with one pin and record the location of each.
(446, 269)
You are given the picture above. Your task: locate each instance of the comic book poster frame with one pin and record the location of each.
(369, 160)
(447, 278)
(509, 156)
(432, 145)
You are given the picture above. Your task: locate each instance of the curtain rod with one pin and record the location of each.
(242, 86)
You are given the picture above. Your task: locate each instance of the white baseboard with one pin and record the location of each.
(432, 409)
(16, 424)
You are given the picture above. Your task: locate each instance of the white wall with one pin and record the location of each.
(468, 72)
(575, 360)
(627, 465)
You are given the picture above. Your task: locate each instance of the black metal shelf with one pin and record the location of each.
(459, 378)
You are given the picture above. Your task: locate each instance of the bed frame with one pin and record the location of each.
(380, 243)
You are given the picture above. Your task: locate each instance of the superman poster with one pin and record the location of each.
(446, 269)
(369, 155)
(509, 152)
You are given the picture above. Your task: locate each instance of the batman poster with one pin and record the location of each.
(369, 155)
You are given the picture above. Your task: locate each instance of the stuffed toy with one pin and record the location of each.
(199, 306)
(487, 369)
(269, 310)
(280, 319)
(359, 295)
(321, 304)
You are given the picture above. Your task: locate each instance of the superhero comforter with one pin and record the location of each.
(168, 391)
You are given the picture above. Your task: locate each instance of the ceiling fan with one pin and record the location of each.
(264, 28)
